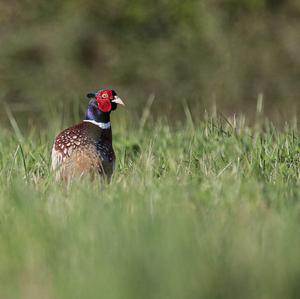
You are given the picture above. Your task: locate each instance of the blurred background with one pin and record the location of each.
(196, 54)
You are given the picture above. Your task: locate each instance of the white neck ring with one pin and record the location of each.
(100, 125)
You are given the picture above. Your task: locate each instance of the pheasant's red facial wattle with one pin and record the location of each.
(104, 105)
(104, 99)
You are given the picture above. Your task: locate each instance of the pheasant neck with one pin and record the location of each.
(101, 125)
(97, 117)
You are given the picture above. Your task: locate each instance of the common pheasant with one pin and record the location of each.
(86, 148)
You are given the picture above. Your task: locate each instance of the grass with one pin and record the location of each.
(207, 210)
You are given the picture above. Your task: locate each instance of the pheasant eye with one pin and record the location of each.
(107, 94)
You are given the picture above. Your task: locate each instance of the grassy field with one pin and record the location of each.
(201, 206)
(206, 210)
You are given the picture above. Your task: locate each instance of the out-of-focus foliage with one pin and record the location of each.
(222, 51)
(211, 211)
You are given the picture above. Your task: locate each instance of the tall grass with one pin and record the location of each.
(203, 210)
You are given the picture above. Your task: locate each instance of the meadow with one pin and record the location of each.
(202, 204)
(197, 209)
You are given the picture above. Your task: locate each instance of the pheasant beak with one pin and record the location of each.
(118, 101)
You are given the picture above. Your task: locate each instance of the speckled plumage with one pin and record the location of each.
(86, 148)
(83, 149)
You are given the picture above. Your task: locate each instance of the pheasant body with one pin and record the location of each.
(86, 148)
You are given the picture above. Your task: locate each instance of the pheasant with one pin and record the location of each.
(86, 148)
